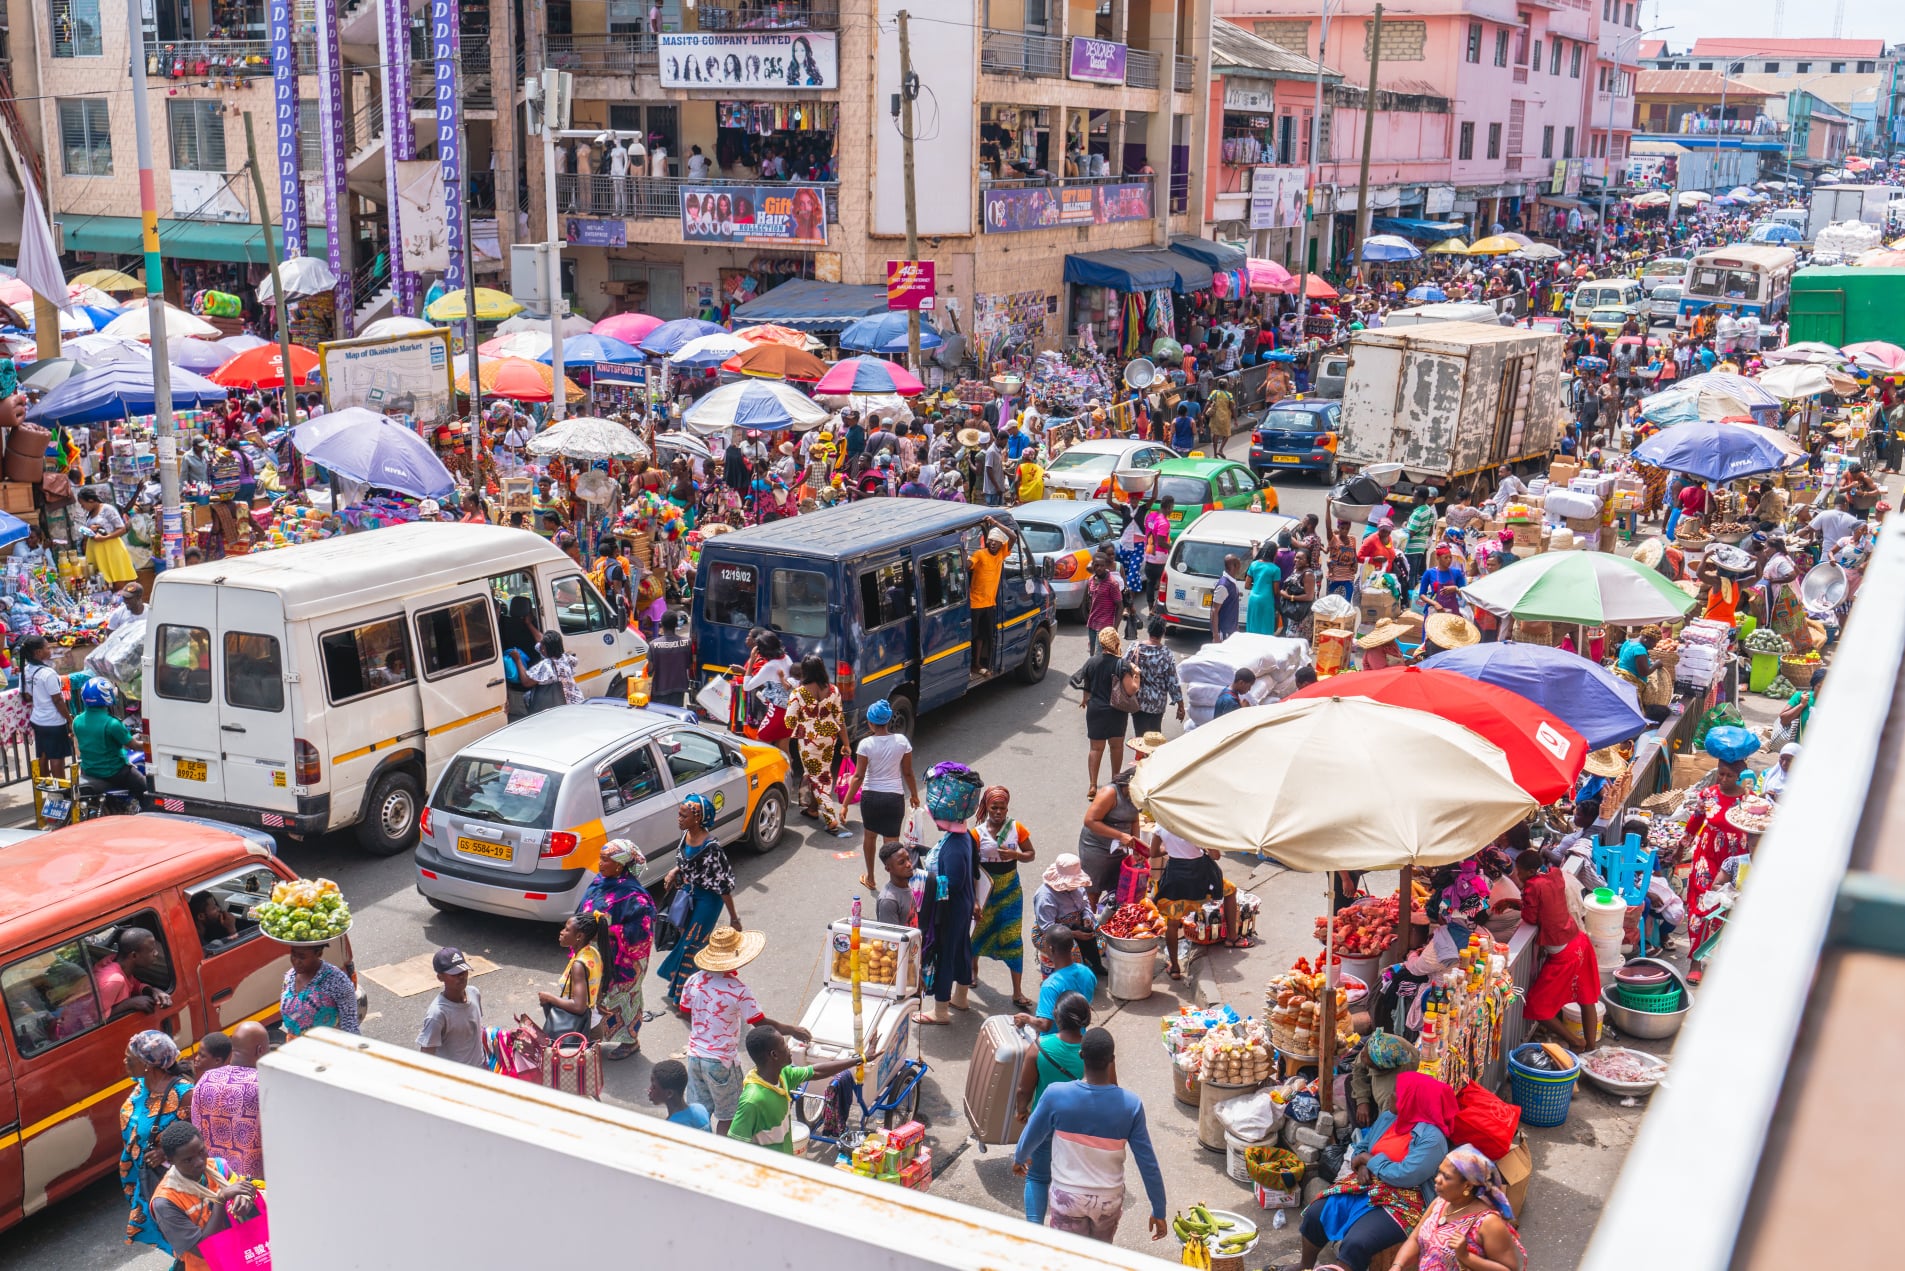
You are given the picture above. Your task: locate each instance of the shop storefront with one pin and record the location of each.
(779, 140)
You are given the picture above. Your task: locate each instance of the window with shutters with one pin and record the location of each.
(75, 26)
(1474, 53)
(1574, 64)
(1547, 141)
(1501, 47)
(1567, 143)
(1554, 58)
(1494, 141)
(198, 135)
(85, 137)
(1465, 143)
(1517, 125)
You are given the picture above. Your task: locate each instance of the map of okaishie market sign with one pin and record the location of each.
(401, 376)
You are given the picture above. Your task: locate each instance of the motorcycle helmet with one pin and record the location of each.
(97, 692)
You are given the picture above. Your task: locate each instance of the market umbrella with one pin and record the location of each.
(1714, 395)
(1742, 193)
(264, 368)
(387, 455)
(886, 333)
(301, 276)
(1817, 352)
(1797, 380)
(669, 336)
(384, 328)
(1588, 588)
(587, 349)
(763, 405)
(705, 351)
(314, 430)
(1715, 450)
(1544, 754)
(246, 341)
(108, 280)
(1540, 251)
(1876, 355)
(1694, 198)
(1519, 240)
(631, 328)
(12, 529)
(868, 375)
(1603, 708)
(1776, 233)
(1318, 289)
(588, 438)
(201, 356)
(1427, 294)
(573, 324)
(74, 321)
(48, 374)
(777, 361)
(98, 350)
(518, 379)
(677, 442)
(1248, 782)
(1880, 258)
(491, 306)
(1493, 245)
(1449, 247)
(770, 333)
(530, 344)
(136, 324)
(119, 390)
(1267, 276)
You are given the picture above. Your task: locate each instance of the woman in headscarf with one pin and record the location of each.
(1466, 1225)
(624, 905)
(814, 713)
(1395, 1157)
(1772, 781)
(999, 932)
(1782, 610)
(1372, 1077)
(161, 1094)
(1710, 837)
(702, 867)
(952, 887)
(317, 994)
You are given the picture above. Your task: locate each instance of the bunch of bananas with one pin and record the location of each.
(1200, 1229)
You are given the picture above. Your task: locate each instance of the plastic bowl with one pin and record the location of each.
(1654, 1063)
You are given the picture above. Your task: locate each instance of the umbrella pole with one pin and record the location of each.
(1406, 908)
(1326, 1044)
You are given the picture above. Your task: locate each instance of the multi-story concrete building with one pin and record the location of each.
(1263, 99)
(1859, 78)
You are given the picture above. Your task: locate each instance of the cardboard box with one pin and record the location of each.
(16, 497)
(1375, 604)
(1518, 1169)
(1560, 472)
(1688, 769)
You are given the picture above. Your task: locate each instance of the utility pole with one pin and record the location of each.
(165, 430)
(909, 89)
(1369, 140)
(271, 256)
(554, 118)
(1315, 168)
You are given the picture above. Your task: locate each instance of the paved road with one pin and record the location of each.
(1029, 738)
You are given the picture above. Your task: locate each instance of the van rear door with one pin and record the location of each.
(462, 686)
(181, 707)
(253, 700)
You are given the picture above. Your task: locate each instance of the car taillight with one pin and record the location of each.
(1104, 488)
(423, 822)
(559, 843)
(1064, 567)
(310, 768)
(1212, 507)
(843, 678)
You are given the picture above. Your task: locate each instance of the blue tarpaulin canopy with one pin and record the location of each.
(1416, 227)
(1216, 255)
(807, 305)
(1125, 271)
(1189, 273)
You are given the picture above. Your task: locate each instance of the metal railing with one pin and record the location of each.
(1140, 68)
(220, 59)
(655, 198)
(1017, 53)
(1183, 73)
(771, 15)
(622, 53)
(1074, 183)
(365, 125)
(1762, 126)
(370, 277)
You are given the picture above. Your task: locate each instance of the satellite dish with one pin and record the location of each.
(1140, 372)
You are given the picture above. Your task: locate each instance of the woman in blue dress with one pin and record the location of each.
(952, 889)
(702, 867)
(1261, 616)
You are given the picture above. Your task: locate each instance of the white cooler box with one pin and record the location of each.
(888, 1027)
(897, 950)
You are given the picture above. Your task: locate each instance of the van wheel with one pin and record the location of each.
(770, 820)
(905, 715)
(618, 688)
(390, 817)
(1038, 658)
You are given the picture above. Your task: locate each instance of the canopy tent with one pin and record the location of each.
(1415, 227)
(1120, 270)
(119, 390)
(808, 305)
(1218, 256)
(1188, 274)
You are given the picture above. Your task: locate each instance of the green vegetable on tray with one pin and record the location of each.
(1780, 689)
(304, 910)
(1763, 640)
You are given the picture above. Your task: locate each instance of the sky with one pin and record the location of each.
(1747, 19)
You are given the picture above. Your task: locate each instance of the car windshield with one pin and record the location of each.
(1185, 491)
(1041, 537)
(499, 790)
(1669, 292)
(1293, 421)
(1205, 560)
(1614, 316)
(1083, 461)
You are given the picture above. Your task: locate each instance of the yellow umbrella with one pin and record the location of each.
(491, 306)
(108, 280)
(1449, 247)
(1493, 245)
(519, 379)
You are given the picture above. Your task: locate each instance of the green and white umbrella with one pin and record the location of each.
(1589, 588)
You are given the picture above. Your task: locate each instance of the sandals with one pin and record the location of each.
(625, 1051)
(1025, 1004)
(1241, 942)
(1176, 973)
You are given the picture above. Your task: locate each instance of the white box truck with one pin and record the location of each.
(1834, 203)
(1451, 400)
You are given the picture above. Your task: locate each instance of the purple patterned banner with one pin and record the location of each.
(400, 144)
(284, 98)
(331, 145)
(445, 48)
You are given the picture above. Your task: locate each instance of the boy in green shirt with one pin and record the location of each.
(763, 1116)
(101, 740)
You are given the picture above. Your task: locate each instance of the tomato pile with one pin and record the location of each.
(1363, 930)
(1137, 921)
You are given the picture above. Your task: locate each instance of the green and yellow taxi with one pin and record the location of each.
(1198, 485)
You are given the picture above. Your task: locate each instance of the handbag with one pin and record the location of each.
(573, 1065)
(541, 697)
(244, 1246)
(1124, 689)
(845, 782)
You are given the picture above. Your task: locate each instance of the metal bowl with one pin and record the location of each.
(1655, 1062)
(1646, 1024)
(1129, 944)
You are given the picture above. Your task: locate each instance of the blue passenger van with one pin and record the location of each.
(881, 589)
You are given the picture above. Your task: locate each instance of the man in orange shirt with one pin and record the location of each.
(986, 564)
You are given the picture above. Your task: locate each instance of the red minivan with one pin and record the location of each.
(66, 897)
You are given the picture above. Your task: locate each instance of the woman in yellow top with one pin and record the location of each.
(1031, 478)
(105, 531)
(582, 936)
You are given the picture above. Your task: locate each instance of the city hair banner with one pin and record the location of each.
(444, 22)
(284, 106)
(403, 376)
(1011, 211)
(788, 215)
(758, 60)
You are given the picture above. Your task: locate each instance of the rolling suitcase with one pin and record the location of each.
(999, 1056)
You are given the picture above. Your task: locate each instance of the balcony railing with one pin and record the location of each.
(1140, 68)
(772, 15)
(1760, 127)
(653, 198)
(1183, 73)
(199, 59)
(621, 53)
(1017, 53)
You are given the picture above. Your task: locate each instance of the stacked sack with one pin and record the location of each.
(1208, 672)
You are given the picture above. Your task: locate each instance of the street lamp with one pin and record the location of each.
(1607, 158)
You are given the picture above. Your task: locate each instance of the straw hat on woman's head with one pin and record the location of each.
(1605, 762)
(1650, 553)
(972, 438)
(730, 950)
(1384, 632)
(1451, 631)
(1148, 744)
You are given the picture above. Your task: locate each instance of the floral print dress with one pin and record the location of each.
(818, 723)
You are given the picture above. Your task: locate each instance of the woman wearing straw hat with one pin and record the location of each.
(702, 868)
(1445, 631)
(1379, 645)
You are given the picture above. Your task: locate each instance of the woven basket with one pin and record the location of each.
(1274, 1167)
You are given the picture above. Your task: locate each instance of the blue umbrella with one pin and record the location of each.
(584, 350)
(12, 529)
(1777, 233)
(381, 454)
(669, 336)
(1591, 363)
(201, 356)
(1427, 294)
(886, 333)
(119, 390)
(100, 316)
(1717, 451)
(1581, 693)
(1388, 247)
(753, 404)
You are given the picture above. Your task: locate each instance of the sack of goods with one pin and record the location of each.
(1273, 659)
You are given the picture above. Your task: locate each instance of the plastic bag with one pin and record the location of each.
(1485, 1121)
(245, 1246)
(1250, 1118)
(117, 656)
(917, 830)
(1304, 1107)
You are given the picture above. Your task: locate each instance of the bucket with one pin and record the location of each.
(1234, 1164)
(1762, 671)
(1543, 1096)
(1368, 970)
(1184, 1085)
(1210, 1131)
(1130, 974)
(1606, 912)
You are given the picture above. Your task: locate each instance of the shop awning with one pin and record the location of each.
(241, 243)
(1125, 271)
(807, 305)
(1415, 227)
(1188, 273)
(1216, 255)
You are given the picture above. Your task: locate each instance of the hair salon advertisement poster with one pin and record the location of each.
(762, 60)
(787, 215)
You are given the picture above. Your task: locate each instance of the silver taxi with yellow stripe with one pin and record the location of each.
(516, 823)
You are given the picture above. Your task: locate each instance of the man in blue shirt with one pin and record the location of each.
(1068, 975)
(1016, 441)
(1237, 695)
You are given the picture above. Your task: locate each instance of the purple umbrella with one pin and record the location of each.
(1584, 695)
(199, 356)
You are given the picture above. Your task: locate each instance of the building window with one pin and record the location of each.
(310, 136)
(1501, 48)
(1838, 68)
(1475, 42)
(1705, 66)
(1547, 142)
(1494, 141)
(1465, 144)
(1630, 15)
(1554, 58)
(1535, 61)
(1567, 143)
(1868, 68)
(198, 135)
(85, 138)
(76, 28)
(1772, 68)
(1574, 63)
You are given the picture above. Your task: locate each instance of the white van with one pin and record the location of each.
(1197, 559)
(322, 686)
(1605, 293)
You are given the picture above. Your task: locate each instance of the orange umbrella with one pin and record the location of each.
(520, 380)
(777, 361)
(1320, 290)
(768, 333)
(263, 367)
